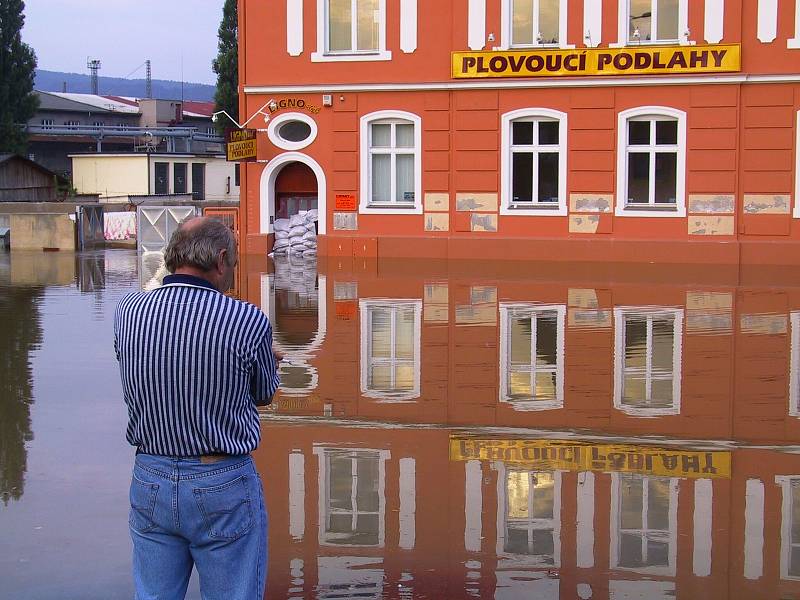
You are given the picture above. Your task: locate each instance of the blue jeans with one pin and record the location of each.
(186, 513)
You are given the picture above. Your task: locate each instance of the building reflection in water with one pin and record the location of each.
(513, 435)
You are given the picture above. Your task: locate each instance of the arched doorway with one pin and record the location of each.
(285, 184)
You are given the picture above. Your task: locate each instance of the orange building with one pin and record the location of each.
(521, 128)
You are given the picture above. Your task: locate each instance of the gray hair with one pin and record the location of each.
(197, 243)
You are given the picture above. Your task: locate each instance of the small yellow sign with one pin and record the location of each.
(551, 455)
(241, 144)
(632, 60)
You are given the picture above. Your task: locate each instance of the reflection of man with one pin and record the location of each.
(194, 365)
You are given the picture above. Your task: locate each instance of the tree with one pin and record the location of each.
(18, 103)
(226, 65)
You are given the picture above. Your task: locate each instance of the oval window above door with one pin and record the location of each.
(292, 131)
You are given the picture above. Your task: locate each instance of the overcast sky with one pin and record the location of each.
(125, 33)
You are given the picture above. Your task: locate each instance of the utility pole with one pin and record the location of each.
(94, 66)
(148, 79)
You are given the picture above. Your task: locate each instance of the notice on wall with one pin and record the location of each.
(241, 145)
(576, 456)
(632, 60)
(346, 202)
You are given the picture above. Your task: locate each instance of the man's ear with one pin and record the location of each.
(222, 257)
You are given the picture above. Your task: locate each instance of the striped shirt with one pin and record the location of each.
(194, 365)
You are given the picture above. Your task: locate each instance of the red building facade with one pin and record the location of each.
(503, 128)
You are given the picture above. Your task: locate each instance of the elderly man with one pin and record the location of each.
(195, 364)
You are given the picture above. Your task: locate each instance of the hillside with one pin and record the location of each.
(53, 81)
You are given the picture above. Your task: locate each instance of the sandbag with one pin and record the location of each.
(310, 235)
(280, 244)
(281, 225)
(296, 220)
(297, 231)
(281, 235)
(312, 215)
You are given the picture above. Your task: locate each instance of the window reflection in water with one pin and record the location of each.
(531, 363)
(353, 503)
(794, 556)
(648, 355)
(529, 522)
(645, 538)
(390, 349)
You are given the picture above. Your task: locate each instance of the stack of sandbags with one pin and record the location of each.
(281, 227)
(296, 235)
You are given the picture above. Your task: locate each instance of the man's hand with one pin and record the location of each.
(278, 354)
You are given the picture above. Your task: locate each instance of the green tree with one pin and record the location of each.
(18, 103)
(226, 65)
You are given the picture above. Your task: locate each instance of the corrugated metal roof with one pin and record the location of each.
(104, 102)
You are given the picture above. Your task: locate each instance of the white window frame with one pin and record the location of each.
(48, 123)
(794, 365)
(623, 13)
(508, 559)
(785, 482)
(323, 453)
(506, 27)
(508, 310)
(653, 210)
(365, 306)
(275, 138)
(795, 41)
(367, 207)
(507, 207)
(620, 313)
(797, 156)
(616, 523)
(324, 55)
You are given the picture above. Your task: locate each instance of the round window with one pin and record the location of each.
(294, 131)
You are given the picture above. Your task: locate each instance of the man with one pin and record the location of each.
(195, 364)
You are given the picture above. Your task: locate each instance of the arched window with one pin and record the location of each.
(534, 162)
(391, 164)
(651, 162)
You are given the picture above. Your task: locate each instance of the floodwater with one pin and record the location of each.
(462, 430)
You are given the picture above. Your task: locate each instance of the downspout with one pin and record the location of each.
(244, 189)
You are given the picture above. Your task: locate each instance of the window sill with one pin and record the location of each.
(351, 57)
(651, 43)
(390, 209)
(671, 210)
(534, 210)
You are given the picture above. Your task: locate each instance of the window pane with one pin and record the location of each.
(548, 21)
(638, 132)
(368, 23)
(340, 22)
(518, 490)
(519, 385)
(179, 178)
(667, 19)
(522, 133)
(794, 561)
(295, 131)
(522, 22)
(640, 19)
(405, 178)
(404, 377)
(516, 541)
(546, 339)
(663, 344)
(660, 392)
(545, 386)
(367, 484)
(795, 512)
(666, 132)
(638, 177)
(520, 341)
(404, 333)
(658, 504)
(657, 553)
(631, 498)
(381, 334)
(542, 543)
(380, 377)
(340, 482)
(543, 495)
(630, 552)
(381, 135)
(548, 177)
(381, 178)
(522, 177)
(634, 390)
(548, 133)
(666, 177)
(404, 136)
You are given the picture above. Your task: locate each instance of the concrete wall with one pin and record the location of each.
(39, 231)
(110, 175)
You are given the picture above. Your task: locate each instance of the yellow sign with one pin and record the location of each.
(550, 455)
(241, 144)
(633, 60)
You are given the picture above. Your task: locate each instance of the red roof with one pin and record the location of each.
(201, 108)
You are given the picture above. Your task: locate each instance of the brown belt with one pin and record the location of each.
(210, 459)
